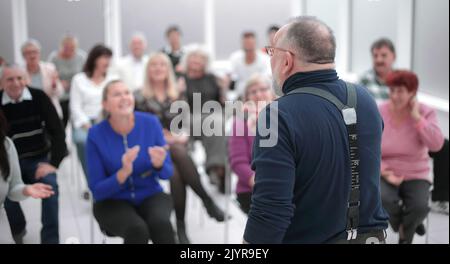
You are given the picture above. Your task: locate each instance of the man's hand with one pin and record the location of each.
(38, 191)
(43, 170)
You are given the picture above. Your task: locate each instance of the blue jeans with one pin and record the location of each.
(49, 216)
(79, 138)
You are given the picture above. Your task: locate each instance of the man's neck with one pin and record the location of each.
(66, 56)
(310, 67)
(250, 57)
(175, 47)
(137, 58)
(382, 75)
(33, 68)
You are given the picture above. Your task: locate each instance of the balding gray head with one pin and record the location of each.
(139, 36)
(312, 39)
(31, 42)
(10, 66)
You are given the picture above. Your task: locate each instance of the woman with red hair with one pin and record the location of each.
(410, 131)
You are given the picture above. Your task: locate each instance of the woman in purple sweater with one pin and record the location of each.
(257, 95)
(410, 131)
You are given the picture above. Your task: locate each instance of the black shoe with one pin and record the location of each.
(420, 230)
(19, 237)
(214, 211)
(402, 241)
(213, 178)
(181, 233)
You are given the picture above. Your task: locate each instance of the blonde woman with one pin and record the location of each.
(126, 156)
(159, 91)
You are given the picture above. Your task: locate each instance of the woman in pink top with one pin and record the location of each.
(410, 131)
(257, 95)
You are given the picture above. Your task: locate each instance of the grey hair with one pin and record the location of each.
(67, 37)
(31, 42)
(312, 39)
(140, 35)
(257, 78)
(196, 49)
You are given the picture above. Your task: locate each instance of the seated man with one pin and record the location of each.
(383, 57)
(247, 62)
(39, 137)
(131, 68)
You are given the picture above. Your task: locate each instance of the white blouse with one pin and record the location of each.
(86, 98)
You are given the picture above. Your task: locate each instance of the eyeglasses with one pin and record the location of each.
(260, 90)
(270, 50)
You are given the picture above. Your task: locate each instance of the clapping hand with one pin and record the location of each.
(127, 163)
(157, 156)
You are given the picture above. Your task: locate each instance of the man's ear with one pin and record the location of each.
(288, 64)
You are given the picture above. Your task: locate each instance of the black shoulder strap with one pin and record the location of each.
(349, 115)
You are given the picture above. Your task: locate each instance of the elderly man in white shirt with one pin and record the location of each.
(248, 61)
(131, 68)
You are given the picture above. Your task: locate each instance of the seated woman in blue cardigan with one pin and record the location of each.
(126, 155)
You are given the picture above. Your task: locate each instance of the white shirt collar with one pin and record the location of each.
(26, 96)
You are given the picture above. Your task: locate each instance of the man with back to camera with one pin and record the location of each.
(306, 189)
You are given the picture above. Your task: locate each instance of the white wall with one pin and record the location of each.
(335, 14)
(6, 33)
(153, 17)
(371, 21)
(431, 46)
(235, 16)
(48, 20)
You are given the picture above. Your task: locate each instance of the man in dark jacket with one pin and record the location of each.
(303, 182)
(39, 137)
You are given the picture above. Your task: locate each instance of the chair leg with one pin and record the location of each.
(92, 228)
(227, 202)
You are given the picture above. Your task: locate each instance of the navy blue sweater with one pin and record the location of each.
(302, 183)
(104, 150)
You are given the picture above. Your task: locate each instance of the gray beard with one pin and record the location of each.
(277, 89)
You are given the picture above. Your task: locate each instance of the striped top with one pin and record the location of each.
(35, 128)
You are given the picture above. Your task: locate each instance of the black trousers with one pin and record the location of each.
(137, 224)
(245, 200)
(407, 205)
(440, 170)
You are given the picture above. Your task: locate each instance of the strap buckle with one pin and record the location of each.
(354, 204)
(349, 115)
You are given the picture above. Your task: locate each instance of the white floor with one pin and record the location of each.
(77, 224)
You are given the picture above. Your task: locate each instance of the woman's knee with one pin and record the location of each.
(178, 151)
(420, 209)
(137, 232)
